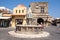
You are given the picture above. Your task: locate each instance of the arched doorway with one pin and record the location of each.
(40, 20)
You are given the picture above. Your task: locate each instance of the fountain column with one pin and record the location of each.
(29, 17)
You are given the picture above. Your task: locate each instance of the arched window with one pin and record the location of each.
(16, 11)
(19, 11)
(22, 11)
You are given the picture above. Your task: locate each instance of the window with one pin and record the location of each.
(22, 11)
(16, 11)
(42, 9)
(19, 11)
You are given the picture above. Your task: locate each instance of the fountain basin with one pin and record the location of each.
(29, 28)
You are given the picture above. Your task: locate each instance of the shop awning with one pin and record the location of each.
(5, 17)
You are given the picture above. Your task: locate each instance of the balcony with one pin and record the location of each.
(18, 14)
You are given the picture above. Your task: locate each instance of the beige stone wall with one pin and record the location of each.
(36, 11)
(19, 15)
(13, 23)
(36, 7)
(20, 7)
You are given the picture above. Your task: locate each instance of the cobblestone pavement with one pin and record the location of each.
(54, 34)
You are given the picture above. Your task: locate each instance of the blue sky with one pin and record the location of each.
(53, 5)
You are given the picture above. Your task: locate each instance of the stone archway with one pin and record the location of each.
(40, 20)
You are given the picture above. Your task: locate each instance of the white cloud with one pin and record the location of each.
(2, 7)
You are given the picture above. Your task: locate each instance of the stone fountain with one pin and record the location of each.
(29, 30)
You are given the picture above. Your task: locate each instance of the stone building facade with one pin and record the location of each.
(40, 12)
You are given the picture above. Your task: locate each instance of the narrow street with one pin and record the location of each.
(54, 34)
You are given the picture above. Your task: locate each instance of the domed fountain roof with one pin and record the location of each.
(21, 5)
